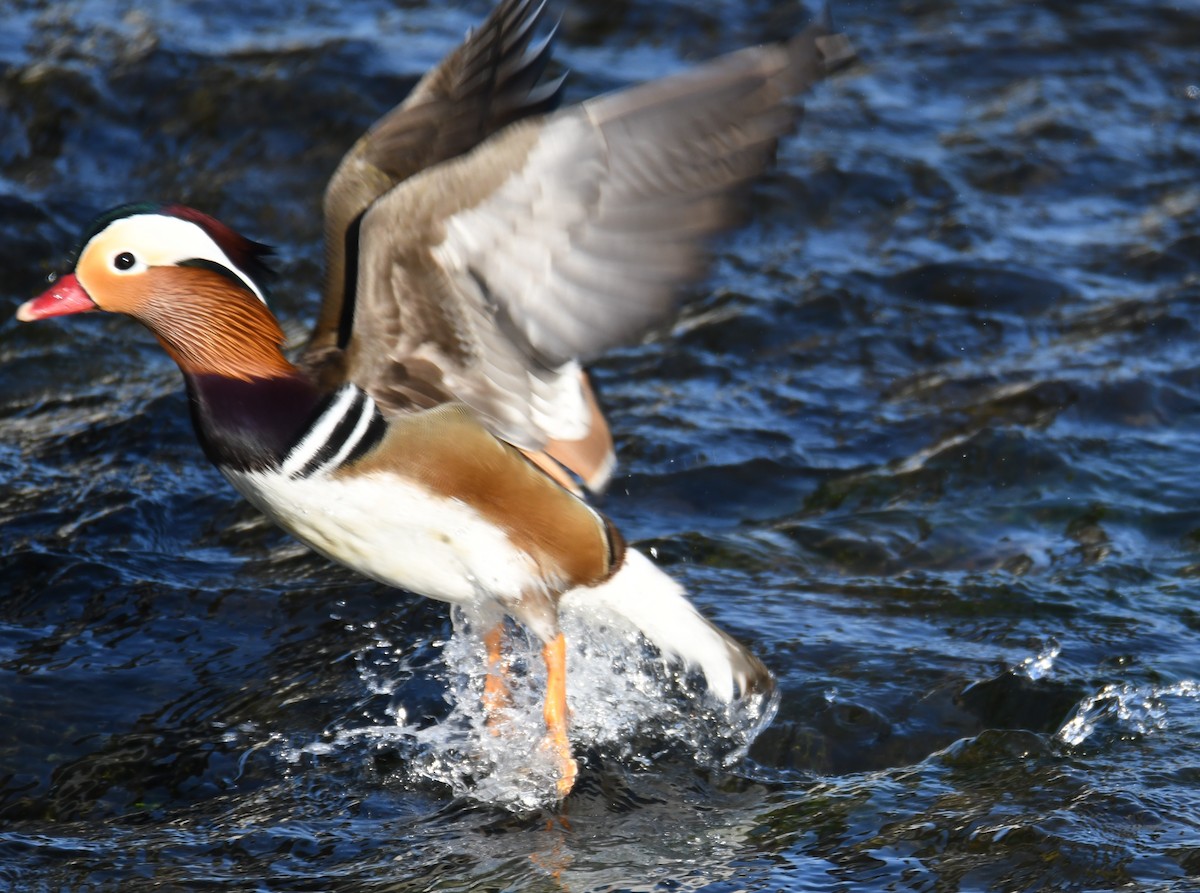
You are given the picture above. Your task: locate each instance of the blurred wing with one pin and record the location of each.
(490, 279)
(491, 80)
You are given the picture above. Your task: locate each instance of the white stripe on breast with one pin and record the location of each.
(360, 429)
(318, 435)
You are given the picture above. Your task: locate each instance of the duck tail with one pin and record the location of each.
(657, 606)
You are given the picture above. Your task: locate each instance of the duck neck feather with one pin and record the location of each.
(249, 425)
(211, 328)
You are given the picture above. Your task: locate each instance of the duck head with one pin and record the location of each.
(191, 280)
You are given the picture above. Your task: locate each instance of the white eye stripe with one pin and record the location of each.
(159, 240)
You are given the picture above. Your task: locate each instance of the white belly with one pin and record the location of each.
(397, 533)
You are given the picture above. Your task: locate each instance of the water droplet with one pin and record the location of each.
(1041, 665)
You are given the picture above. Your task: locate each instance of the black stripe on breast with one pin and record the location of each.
(337, 438)
(370, 438)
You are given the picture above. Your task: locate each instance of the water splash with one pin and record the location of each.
(626, 702)
(1039, 666)
(1141, 709)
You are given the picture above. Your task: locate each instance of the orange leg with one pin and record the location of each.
(496, 695)
(555, 655)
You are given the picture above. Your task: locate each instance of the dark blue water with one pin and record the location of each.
(927, 438)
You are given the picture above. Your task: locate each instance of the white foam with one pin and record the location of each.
(1142, 709)
(626, 703)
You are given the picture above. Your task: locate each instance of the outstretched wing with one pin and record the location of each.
(491, 278)
(495, 77)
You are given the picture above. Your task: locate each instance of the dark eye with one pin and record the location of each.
(124, 260)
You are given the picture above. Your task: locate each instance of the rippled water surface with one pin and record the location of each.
(927, 439)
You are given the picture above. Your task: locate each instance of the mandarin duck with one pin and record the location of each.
(439, 431)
